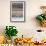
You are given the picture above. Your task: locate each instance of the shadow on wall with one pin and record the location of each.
(34, 21)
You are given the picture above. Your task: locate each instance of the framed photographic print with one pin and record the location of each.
(17, 11)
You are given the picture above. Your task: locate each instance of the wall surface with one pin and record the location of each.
(27, 28)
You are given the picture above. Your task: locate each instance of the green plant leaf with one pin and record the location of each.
(11, 31)
(40, 18)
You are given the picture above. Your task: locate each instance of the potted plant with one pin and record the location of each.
(10, 31)
(42, 17)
